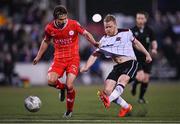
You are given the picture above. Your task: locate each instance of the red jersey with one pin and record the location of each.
(66, 40)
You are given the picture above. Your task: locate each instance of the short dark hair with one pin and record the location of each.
(59, 10)
(144, 13)
(109, 18)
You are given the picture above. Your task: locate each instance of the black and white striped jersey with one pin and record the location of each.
(118, 45)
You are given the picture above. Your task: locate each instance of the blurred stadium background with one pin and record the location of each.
(21, 30)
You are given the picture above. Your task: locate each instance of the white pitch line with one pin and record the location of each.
(98, 121)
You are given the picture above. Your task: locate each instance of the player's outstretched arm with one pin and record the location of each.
(90, 38)
(141, 48)
(90, 62)
(42, 49)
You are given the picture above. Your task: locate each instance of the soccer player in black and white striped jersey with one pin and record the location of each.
(118, 45)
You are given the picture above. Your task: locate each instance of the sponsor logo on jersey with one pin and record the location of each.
(63, 41)
(118, 39)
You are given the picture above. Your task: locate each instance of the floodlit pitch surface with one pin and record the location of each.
(163, 106)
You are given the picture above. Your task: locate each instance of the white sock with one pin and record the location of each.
(120, 101)
(116, 92)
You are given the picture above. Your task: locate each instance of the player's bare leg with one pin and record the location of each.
(54, 82)
(139, 79)
(143, 88)
(113, 93)
(70, 95)
(108, 88)
(117, 92)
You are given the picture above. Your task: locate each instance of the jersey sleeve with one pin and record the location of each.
(79, 28)
(131, 36)
(47, 35)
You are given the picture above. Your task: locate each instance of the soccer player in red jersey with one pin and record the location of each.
(64, 34)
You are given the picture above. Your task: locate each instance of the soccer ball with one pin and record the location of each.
(32, 103)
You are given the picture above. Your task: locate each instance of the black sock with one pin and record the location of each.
(135, 83)
(143, 90)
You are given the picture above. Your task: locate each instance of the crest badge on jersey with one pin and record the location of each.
(136, 33)
(147, 39)
(71, 32)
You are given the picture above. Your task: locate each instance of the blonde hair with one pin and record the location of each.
(109, 18)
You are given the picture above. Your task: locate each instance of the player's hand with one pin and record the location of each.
(97, 44)
(153, 52)
(83, 69)
(148, 58)
(36, 60)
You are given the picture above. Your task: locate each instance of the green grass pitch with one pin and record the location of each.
(163, 106)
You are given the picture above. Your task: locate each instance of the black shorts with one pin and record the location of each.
(146, 67)
(129, 68)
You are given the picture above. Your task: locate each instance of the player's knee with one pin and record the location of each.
(52, 78)
(52, 81)
(124, 79)
(140, 78)
(69, 86)
(146, 78)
